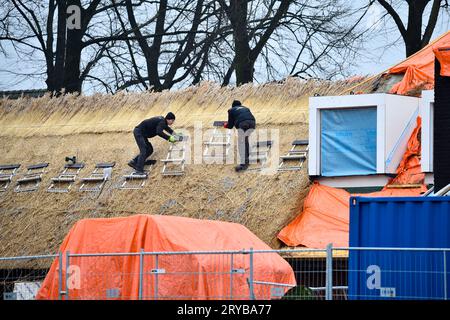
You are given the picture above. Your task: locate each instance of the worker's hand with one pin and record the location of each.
(225, 124)
(172, 139)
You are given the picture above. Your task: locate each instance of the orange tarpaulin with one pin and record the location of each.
(326, 212)
(324, 219)
(442, 53)
(326, 216)
(418, 69)
(409, 170)
(188, 276)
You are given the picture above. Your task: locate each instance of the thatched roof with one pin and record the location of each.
(98, 129)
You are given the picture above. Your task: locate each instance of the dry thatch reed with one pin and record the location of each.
(96, 129)
(272, 103)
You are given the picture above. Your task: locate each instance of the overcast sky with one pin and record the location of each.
(374, 58)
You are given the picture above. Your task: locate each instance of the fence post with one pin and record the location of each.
(141, 268)
(67, 274)
(252, 294)
(445, 276)
(231, 276)
(60, 275)
(329, 273)
(156, 276)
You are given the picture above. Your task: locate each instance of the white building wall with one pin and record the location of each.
(426, 113)
(396, 119)
(400, 121)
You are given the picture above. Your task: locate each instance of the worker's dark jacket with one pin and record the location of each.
(238, 114)
(154, 126)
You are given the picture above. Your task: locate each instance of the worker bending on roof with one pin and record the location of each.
(242, 118)
(148, 129)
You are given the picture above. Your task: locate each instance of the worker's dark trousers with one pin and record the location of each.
(246, 128)
(145, 149)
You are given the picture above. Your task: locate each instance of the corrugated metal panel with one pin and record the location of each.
(422, 222)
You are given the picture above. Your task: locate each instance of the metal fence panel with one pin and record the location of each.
(195, 276)
(22, 277)
(309, 270)
(159, 276)
(102, 277)
(304, 274)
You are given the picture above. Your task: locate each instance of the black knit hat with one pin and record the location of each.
(236, 103)
(170, 116)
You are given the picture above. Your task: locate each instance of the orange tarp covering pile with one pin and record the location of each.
(326, 212)
(193, 276)
(418, 69)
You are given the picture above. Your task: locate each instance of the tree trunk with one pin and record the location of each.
(49, 47)
(151, 53)
(155, 49)
(60, 46)
(74, 46)
(413, 39)
(243, 65)
(244, 56)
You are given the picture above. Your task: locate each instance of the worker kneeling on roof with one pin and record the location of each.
(148, 129)
(242, 118)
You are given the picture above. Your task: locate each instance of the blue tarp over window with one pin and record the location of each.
(348, 142)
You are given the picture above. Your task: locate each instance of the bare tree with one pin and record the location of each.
(326, 38)
(292, 37)
(413, 35)
(245, 56)
(34, 27)
(173, 41)
(162, 44)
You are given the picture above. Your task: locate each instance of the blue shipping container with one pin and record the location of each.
(414, 222)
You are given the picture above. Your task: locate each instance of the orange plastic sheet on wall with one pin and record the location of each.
(324, 220)
(185, 276)
(326, 216)
(326, 212)
(442, 53)
(418, 69)
(409, 170)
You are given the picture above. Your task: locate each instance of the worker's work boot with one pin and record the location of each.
(132, 164)
(241, 167)
(136, 169)
(150, 162)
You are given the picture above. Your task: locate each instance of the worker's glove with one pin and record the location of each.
(225, 124)
(172, 139)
